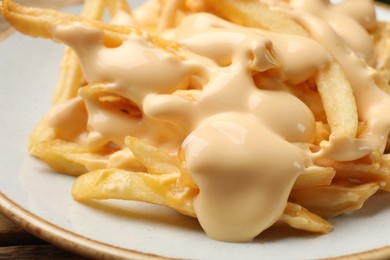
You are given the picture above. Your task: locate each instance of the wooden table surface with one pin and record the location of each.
(15, 243)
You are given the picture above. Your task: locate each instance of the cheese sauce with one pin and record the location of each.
(353, 51)
(241, 143)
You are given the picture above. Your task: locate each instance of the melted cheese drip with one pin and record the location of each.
(241, 143)
(373, 103)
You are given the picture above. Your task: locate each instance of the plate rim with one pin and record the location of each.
(88, 247)
(64, 238)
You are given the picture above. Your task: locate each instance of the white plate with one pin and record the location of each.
(40, 200)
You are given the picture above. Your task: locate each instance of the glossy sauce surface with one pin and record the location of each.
(241, 142)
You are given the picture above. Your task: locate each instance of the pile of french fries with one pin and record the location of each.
(324, 189)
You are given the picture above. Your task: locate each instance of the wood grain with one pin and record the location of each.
(35, 252)
(15, 243)
(11, 234)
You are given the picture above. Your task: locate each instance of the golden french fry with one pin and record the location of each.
(163, 190)
(139, 186)
(119, 167)
(253, 13)
(71, 77)
(322, 132)
(300, 218)
(332, 200)
(311, 98)
(124, 159)
(41, 133)
(339, 102)
(314, 176)
(118, 6)
(93, 9)
(70, 80)
(68, 158)
(382, 55)
(363, 172)
(154, 159)
(37, 22)
(185, 179)
(197, 6)
(169, 14)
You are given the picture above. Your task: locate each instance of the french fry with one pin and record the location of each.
(155, 160)
(322, 132)
(185, 179)
(339, 102)
(253, 13)
(169, 14)
(382, 55)
(117, 6)
(37, 22)
(41, 133)
(163, 190)
(378, 172)
(100, 96)
(312, 99)
(300, 218)
(335, 199)
(68, 158)
(121, 165)
(314, 176)
(71, 77)
(139, 186)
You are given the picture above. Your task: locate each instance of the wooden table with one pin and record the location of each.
(15, 243)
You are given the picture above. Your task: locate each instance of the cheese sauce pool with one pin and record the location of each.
(242, 144)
